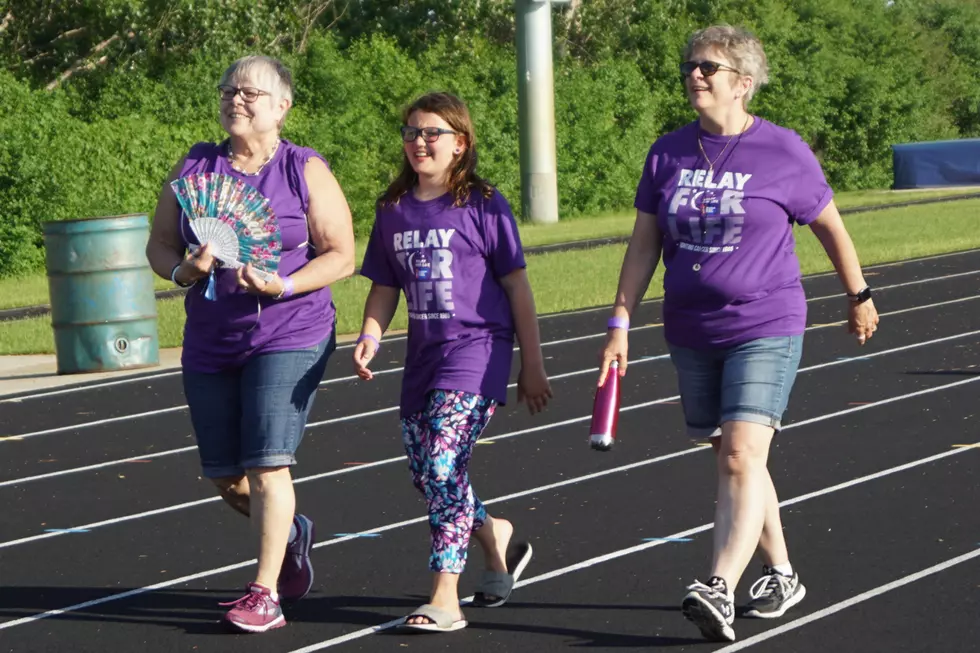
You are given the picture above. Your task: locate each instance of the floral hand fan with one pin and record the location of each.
(234, 218)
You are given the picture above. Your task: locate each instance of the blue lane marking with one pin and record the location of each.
(66, 530)
(357, 534)
(666, 539)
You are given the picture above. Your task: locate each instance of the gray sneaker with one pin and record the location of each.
(773, 594)
(708, 606)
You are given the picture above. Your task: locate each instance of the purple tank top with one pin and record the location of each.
(224, 333)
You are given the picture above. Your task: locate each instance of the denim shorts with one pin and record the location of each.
(254, 416)
(750, 382)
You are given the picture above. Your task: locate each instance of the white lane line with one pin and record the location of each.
(213, 572)
(390, 409)
(15, 437)
(849, 603)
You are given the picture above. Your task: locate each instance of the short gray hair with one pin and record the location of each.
(739, 46)
(260, 67)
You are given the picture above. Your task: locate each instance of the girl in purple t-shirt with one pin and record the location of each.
(717, 200)
(448, 240)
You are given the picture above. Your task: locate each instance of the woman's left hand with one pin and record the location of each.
(862, 320)
(253, 284)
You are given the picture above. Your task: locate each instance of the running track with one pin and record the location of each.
(110, 541)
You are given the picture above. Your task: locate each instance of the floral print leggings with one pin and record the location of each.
(439, 441)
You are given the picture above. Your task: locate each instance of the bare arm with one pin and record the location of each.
(532, 384)
(639, 264)
(379, 308)
(862, 318)
(165, 247)
(518, 290)
(331, 231)
(830, 231)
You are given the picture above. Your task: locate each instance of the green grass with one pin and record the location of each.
(585, 278)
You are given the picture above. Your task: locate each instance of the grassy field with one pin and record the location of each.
(579, 279)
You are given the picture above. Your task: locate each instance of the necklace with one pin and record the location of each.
(265, 162)
(711, 164)
(708, 201)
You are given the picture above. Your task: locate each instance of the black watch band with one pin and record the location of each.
(860, 296)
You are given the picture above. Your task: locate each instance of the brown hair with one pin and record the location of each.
(462, 175)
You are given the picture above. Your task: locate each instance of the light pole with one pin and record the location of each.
(536, 110)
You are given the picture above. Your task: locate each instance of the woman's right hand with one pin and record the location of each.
(195, 266)
(363, 353)
(617, 345)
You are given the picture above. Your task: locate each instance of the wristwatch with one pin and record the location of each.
(860, 296)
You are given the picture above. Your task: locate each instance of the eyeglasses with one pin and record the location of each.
(248, 94)
(708, 68)
(429, 134)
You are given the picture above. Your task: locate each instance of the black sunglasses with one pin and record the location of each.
(708, 68)
(248, 94)
(429, 134)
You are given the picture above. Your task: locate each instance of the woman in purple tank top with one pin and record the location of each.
(255, 349)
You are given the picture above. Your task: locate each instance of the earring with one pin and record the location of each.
(457, 150)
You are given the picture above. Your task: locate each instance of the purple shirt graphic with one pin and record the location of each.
(732, 274)
(447, 260)
(224, 333)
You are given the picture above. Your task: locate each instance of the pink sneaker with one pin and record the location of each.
(296, 575)
(256, 612)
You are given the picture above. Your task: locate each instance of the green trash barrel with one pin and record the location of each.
(103, 308)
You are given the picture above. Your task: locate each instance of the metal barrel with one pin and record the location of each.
(103, 309)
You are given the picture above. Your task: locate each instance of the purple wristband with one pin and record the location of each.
(616, 322)
(368, 336)
(287, 288)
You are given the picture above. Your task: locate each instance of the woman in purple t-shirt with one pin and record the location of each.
(449, 241)
(717, 200)
(254, 351)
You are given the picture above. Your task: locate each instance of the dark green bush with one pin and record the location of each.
(852, 76)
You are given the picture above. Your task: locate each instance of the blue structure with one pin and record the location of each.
(937, 164)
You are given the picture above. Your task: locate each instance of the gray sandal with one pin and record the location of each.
(496, 586)
(440, 621)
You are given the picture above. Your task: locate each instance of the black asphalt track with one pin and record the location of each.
(152, 581)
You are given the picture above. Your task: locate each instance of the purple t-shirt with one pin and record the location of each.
(224, 333)
(732, 274)
(448, 260)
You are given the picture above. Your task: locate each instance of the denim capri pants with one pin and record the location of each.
(254, 416)
(750, 382)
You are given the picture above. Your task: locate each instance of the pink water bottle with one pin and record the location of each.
(605, 411)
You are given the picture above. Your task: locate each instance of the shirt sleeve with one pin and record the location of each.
(377, 265)
(811, 192)
(503, 241)
(646, 190)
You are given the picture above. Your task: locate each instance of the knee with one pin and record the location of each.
(738, 462)
(268, 479)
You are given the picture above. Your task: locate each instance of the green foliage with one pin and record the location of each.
(101, 98)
